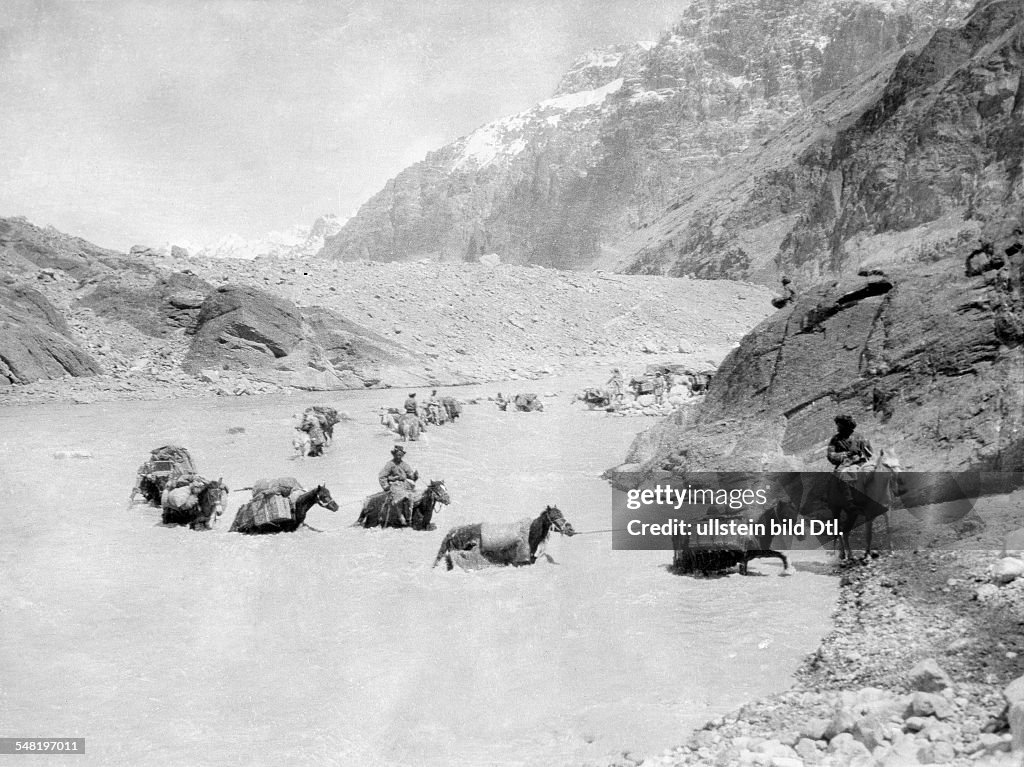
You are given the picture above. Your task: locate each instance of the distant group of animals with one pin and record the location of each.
(676, 379)
(523, 403)
(409, 425)
(169, 480)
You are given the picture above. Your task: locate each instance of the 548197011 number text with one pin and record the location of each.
(42, 745)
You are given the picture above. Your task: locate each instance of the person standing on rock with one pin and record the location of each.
(788, 294)
(848, 451)
(398, 480)
(616, 387)
(659, 389)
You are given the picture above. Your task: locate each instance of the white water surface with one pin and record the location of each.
(162, 646)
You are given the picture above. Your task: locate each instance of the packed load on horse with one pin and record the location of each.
(453, 407)
(279, 506)
(696, 379)
(717, 549)
(594, 398)
(328, 418)
(189, 499)
(164, 464)
(378, 511)
(528, 403)
(472, 547)
(310, 424)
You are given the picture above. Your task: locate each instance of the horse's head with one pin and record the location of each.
(323, 498)
(439, 491)
(887, 459)
(558, 521)
(212, 496)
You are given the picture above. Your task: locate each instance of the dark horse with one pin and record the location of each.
(497, 544)
(318, 496)
(198, 514)
(713, 552)
(376, 512)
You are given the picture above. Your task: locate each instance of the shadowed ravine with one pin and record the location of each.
(163, 646)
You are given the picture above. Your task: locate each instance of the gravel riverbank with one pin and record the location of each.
(915, 671)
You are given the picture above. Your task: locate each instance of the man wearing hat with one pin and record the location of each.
(847, 447)
(847, 451)
(398, 479)
(411, 406)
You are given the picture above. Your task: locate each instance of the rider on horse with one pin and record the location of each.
(411, 406)
(398, 480)
(848, 451)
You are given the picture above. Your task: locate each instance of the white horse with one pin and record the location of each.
(866, 492)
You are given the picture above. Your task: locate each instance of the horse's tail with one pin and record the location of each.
(446, 546)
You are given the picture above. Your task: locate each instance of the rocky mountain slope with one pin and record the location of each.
(925, 142)
(160, 325)
(923, 346)
(628, 131)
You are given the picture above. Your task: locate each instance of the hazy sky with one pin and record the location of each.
(148, 121)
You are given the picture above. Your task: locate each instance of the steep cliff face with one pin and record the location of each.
(920, 337)
(928, 140)
(627, 131)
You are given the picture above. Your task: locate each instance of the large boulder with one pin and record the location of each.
(35, 341)
(243, 327)
(271, 339)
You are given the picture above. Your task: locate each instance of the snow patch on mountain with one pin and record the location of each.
(297, 242)
(582, 99)
(507, 137)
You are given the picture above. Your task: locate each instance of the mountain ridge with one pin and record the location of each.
(564, 187)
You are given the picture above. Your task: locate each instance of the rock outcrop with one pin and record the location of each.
(927, 360)
(627, 132)
(35, 340)
(168, 303)
(242, 328)
(924, 346)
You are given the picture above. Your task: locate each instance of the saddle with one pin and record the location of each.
(513, 538)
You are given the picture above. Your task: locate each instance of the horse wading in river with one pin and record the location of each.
(375, 513)
(300, 501)
(409, 427)
(708, 554)
(196, 505)
(501, 544)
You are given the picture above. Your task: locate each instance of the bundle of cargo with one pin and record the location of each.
(166, 463)
(271, 508)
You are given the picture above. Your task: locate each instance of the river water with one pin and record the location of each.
(164, 646)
